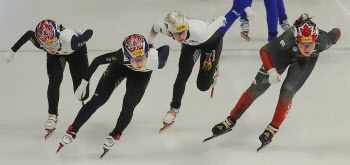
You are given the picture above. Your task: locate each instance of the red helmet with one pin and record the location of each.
(135, 46)
(306, 31)
(47, 33)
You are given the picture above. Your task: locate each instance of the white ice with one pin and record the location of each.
(316, 130)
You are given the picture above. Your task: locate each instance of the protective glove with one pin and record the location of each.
(274, 77)
(250, 13)
(81, 90)
(8, 56)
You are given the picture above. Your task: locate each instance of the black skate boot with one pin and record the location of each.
(267, 135)
(224, 126)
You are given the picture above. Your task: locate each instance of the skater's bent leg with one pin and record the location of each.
(111, 78)
(87, 110)
(136, 86)
(209, 60)
(281, 10)
(55, 67)
(188, 58)
(283, 106)
(256, 89)
(272, 18)
(231, 16)
(244, 16)
(298, 73)
(247, 98)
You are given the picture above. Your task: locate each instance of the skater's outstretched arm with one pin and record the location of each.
(107, 58)
(29, 35)
(156, 28)
(334, 35)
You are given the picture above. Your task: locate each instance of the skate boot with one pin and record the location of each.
(169, 118)
(67, 138)
(284, 24)
(50, 125)
(109, 143)
(51, 122)
(224, 126)
(266, 137)
(245, 29)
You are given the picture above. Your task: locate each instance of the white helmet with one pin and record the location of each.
(176, 22)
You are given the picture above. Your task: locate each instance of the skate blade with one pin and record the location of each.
(105, 151)
(59, 148)
(263, 146)
(166, 126)
(49, 133)
(214, 136)
(212, 93)
(245, 36)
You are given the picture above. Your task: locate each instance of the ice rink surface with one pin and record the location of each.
(316, 130)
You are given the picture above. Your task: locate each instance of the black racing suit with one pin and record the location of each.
(78, 64)
(209, 53)
(115, 73)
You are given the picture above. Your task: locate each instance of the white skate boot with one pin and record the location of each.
(51, 122)
(50, 125)
(67, 138)
(245, 29)
(169, 118)
(109, 143)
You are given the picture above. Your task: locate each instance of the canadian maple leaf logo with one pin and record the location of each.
(306, 30)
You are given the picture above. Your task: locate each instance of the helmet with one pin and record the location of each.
(305, 30)
(176, 22)
(47, 33)
(135, 46)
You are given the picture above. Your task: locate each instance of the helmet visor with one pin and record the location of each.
(51, 46)
(309, 44)
(138, 59)
(180, 33)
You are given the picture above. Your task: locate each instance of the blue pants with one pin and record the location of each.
(281, 11)
(235, 12)
(275, 12)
